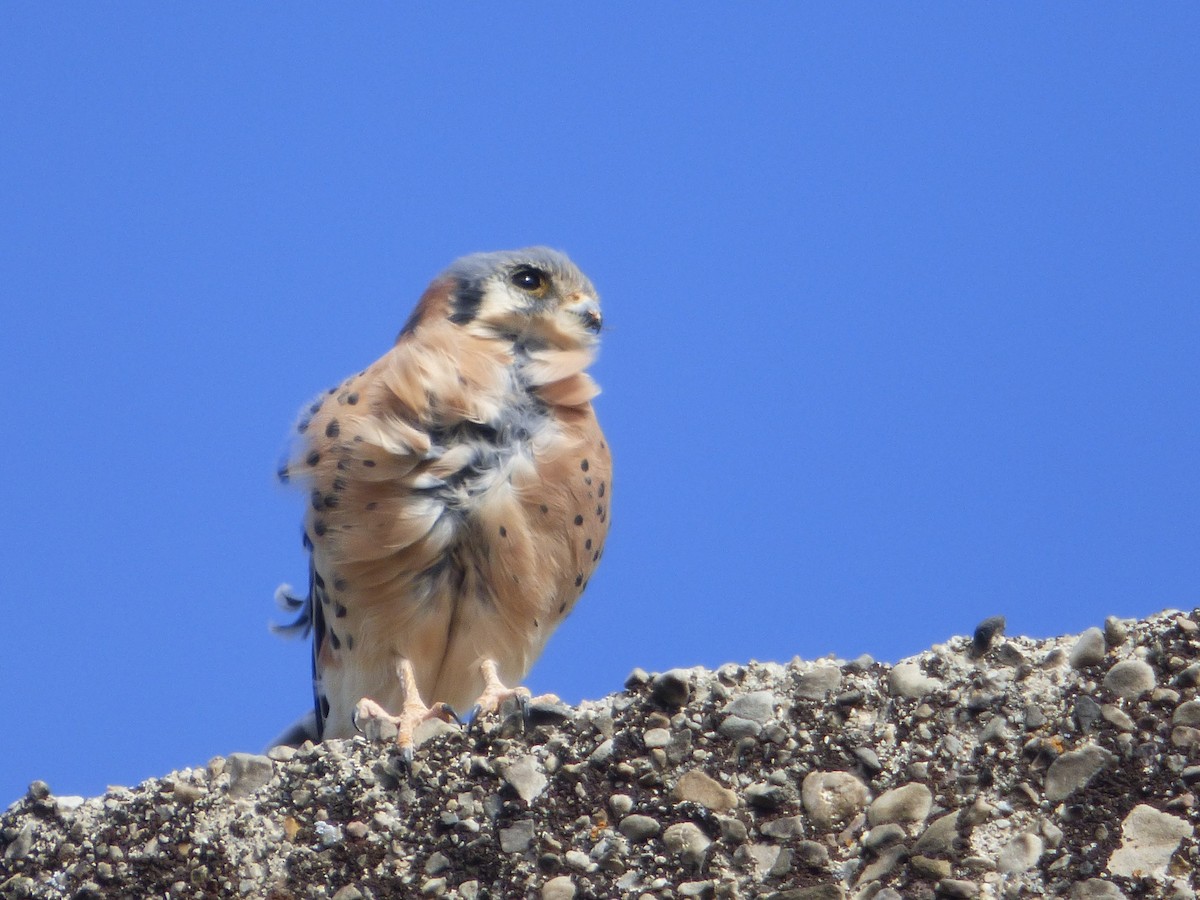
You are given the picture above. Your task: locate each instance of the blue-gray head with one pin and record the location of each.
(535, 294)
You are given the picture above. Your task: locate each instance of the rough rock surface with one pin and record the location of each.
(988, 767)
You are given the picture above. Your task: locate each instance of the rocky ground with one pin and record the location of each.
(984, 767)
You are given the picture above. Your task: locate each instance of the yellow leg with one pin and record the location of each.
(413, 710)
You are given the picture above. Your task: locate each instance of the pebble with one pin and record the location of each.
(938, 839)
(688, 841)
(907, 679)
(1149, 838)
(832, 799)
(956, 889)
(525, 777)
(1089, 649)
(735, 728)
(517, 837)
(764, 796)
(907, 803)
(247, 773)
(656, 738)
(783, 829)
(561, 887)
(1097, 889)
(1130, 678)
(818, 683)
(1187, 713)
(697, 787)
(1086, 713)
(986, 632)
(639, 828)
(602, 754)
(1117, 717)
(1020, 854)
(671, 689)
(757, 706)
(1073, 770)
(1115, 632)
(620, 804)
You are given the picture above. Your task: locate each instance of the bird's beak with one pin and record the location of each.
(588, 310)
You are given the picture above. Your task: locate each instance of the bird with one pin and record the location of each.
(458, 499)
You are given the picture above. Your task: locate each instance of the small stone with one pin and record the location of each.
(1148, 840)
(281, 753)
(561, 887)
(695, 889)
(602, 754)
(1130, 678)
(928, 868)
(38, 790)
(434, 887)
(757, 706)
(348, 892)
(357, 830)
(1086, 713)
(1187, 713)
(688, 841)
(671, 689)
(1020, 854)
(818, 683)
(1034, 717)
(1117, 717)
(697, 787)
(907, 680)
(23, 843)
(437, 862)
(636, 678)
(639, 828)
(733, 830)
(247, 773)
(656, 738)
(1097, 889)
(938, 839)
(525, 777)
(832, 799)
(883, 865)
(869, 760)
(816, 892)
(579, 861)
(1073, 770)
(784, 829)
(1115, 632)
(620, 804)
(1088, 650)
(956, 889)
(765, 796)
(883, 836)
(517, 837)
(812, 854)
(907, 803)
(986, 632)
(1184, 736)
(735, 728)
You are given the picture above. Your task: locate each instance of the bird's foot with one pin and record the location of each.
(376, 723)
(496, 694)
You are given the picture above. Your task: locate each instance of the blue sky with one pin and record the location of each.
(902, 307)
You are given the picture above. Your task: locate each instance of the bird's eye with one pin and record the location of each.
(527, 278)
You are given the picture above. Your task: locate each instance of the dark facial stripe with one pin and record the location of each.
(465, 302)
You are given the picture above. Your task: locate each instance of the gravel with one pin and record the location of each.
(988, 766)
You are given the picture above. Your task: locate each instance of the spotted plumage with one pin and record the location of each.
(458, 495)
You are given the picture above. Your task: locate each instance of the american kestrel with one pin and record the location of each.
(459, 497)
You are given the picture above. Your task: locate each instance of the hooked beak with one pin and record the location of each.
(588, 310)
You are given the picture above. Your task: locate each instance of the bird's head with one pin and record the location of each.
(535, 296)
